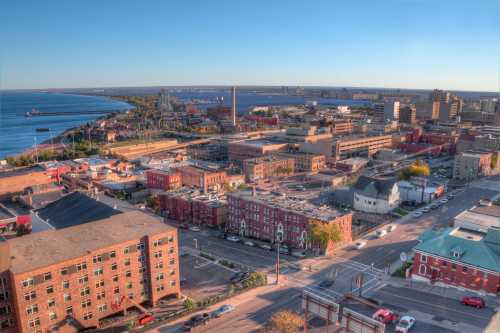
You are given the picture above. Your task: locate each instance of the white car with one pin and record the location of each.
(426, 210)
(443, 200)
(381, 233)
(391, 227)
(405, 324)
(249, 243)
(233, 238)
(266, 247)
(194, 228)
(417, 214)
(359, 244)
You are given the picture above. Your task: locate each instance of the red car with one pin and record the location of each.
(385, 316)
(476, 302)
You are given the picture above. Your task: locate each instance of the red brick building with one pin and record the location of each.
(190, 206)
(203, 178)
(460, 258)
(268, 166)
(163, 180)
(262, 215)
(82, 271)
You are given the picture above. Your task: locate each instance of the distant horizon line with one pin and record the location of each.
(242, 86)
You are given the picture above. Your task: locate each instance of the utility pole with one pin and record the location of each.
(279, 239)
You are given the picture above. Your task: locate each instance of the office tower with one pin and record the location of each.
(164, 100)
(386, 111)
(440, 96)
(233, 105)
(488, 105)
(408, 114)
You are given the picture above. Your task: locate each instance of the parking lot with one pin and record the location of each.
(202, 278)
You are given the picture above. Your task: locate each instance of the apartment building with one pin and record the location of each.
(268, 166)
(344, 126)
(408, 114)
(81, 272)
(191, 206)
(201, 177)
(364, 146)
(264, 215)
(163, 180)
(471, 165)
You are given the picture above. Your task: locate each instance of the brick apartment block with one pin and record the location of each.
(81, 271)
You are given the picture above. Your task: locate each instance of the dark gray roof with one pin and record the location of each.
(374, 187)
(74, 209)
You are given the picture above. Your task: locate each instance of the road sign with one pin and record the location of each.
(403, 256)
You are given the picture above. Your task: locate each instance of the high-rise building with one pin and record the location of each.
(488, 105)
(233, 105)
(440, 96)
(408, 114)
(427, 110)
(386, 111)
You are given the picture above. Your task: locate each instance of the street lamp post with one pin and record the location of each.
(279, 238)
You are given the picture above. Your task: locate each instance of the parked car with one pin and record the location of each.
(426, 210)
(239, 276)
(381, 233)
(417, 214)
(184, 226)
(385, 316)
(284, 249)
(249, 243)
(298, 254)
(405, 324)
(233, 238)
(197, 320)
(266, 247)
(226, 308)
(443, 201)
(360, 244)
(391, 227)
(434, 205)
(474, 301)
(325, 284)
(194, 228)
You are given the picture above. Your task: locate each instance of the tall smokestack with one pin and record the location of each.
(233, 105)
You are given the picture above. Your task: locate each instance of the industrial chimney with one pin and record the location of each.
(233, 105)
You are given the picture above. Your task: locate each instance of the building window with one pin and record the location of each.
(140, 246)
(49, 289)
(129, 285)
(51, 302)
(116, 290)
(423, 258)
(173, 283)
(34, 322)
(156, 243)
(128, 274)
(98, 271)
(160, 288)
(422, 270)
(159, 264)
(142, 270)
(67, 297)
(159, 277)
(30, 296)
(65, 284)
(47, 276)
(97, 259)
(171, 250)
(32, 309)
(87, 316)
(114, 266)
(443, 263)
(99, 284)
(112, 254)
(115, 278)
(464, 269)
(28, 282)
(101, 295)
(171, 261)
(81, 266)
(52, 315)
(69, 310)
(126, 250)
(127, 262)
(83, 279)
(85, 291)
(86, 304)
(102, 308)
(158, 254)
(454, 267)
(64, 270)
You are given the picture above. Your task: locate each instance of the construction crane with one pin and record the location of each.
(147, 316)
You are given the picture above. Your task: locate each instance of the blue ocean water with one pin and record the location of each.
(18, 132)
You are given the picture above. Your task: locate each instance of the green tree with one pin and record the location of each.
(189, 304)
(284, 322)
(325, 233)
(416, 169)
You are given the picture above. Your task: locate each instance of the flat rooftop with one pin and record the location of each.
(50, 247)
(291, 204)
(260, 142)
(196, 195)
(20, 171)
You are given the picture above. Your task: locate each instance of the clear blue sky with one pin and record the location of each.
(375, 43)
